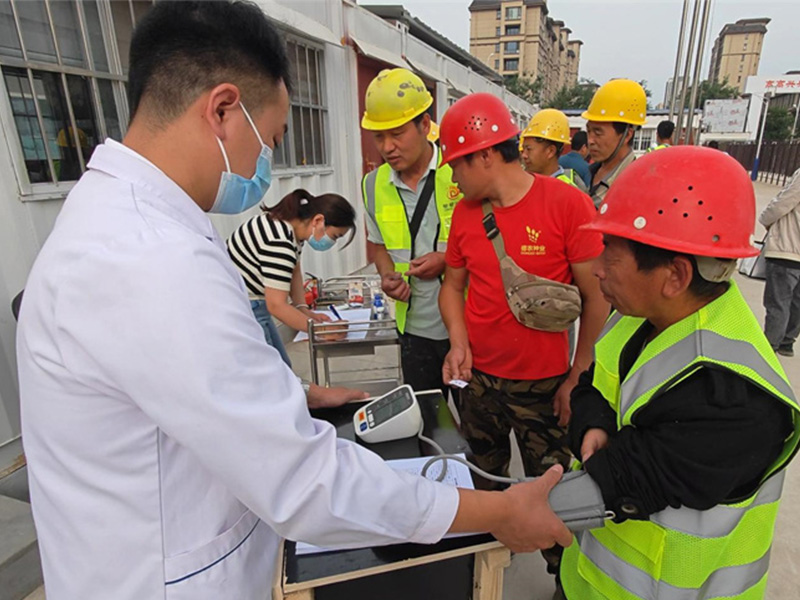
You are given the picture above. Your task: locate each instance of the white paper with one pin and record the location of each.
(354, 332)
(457, 475)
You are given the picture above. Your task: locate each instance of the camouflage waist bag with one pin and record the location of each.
(536, 302)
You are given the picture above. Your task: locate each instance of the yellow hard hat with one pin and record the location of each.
(618, 100)
(394, 97)
(433, 134)
(548, 124)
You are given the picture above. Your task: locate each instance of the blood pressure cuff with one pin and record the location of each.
(577, 501)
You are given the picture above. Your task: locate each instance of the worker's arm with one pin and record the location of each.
(427, 266)
(520, 517)
(707, 440)
(594, 313)
(279, 307)
(392, 282)
(784, 203)
(458, 362)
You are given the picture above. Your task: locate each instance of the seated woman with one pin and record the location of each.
(266, 249)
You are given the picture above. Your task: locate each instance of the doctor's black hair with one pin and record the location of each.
(303, 205)
(181, 49)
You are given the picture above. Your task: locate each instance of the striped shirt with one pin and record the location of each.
(265, 252)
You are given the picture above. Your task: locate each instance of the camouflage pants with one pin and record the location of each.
(491, 407)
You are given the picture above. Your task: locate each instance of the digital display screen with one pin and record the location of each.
(386, 408)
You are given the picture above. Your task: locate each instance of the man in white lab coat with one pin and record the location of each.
(169, 446)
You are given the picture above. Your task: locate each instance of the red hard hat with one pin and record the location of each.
(687, 199)
(473, 123)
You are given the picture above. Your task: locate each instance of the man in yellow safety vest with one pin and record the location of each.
(409, 203)
(664, 133)
(541, 144)
(618, 108)
(685, 420)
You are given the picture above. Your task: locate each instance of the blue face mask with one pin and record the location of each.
(322, 244)
(236, 194)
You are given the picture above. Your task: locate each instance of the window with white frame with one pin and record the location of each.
(512, 30)
(643, 139)
(63, 66)
(512, 47)
(513, 13)
(305, 142)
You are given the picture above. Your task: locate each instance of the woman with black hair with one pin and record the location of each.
(266, 250)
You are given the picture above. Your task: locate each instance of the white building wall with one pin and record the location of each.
(27, 215)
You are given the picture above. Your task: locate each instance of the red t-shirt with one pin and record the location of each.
(541, 235)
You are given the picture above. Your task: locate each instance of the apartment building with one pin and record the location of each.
(737, 51)
(518, 37)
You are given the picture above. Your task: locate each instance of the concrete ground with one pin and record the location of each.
(526, 578)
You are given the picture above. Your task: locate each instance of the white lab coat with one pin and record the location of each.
(169, 446)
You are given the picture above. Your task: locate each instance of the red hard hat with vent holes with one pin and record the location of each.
(686, 199)
(475, 122)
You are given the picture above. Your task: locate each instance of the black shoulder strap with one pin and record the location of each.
(422, 206)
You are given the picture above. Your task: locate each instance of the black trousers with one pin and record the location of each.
(422, 360)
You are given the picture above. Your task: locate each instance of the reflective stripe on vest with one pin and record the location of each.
(568, 176)
(727, 582)
(685, 554)
(659, 147)
(383, 201)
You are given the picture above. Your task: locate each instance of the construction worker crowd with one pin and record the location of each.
(588, 309)
(494, 244)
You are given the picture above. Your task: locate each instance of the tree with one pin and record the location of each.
(778, 126)
(648, 94)
(715, 90)
(575, 96)
(525, 87)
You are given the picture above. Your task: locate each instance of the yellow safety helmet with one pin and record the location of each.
(618, 100)
(433, 134)
(393, 98)
(548, 124)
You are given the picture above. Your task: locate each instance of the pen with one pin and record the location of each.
(335, 313)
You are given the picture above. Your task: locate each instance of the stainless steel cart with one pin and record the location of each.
(384, 375)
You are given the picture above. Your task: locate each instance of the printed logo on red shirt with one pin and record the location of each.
(534, 249)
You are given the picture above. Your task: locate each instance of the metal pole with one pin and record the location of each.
(686, 68)
(697, 62)
(796, 110)
(754, 174)
(676, 73)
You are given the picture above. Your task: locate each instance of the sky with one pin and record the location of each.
(637, 39)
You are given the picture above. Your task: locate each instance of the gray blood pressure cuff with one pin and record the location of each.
(577, 501)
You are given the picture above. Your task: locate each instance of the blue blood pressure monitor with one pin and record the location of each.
(393, 416)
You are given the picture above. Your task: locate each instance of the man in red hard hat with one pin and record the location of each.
(686, 420)
(515, 359)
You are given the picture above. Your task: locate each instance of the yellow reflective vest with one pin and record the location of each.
(659, 147)
(383, 201)
(684, 554)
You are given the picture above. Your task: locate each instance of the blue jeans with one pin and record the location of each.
(270, 331)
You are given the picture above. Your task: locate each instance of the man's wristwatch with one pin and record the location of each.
(306, 387)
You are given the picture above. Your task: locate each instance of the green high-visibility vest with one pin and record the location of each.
(568, 176)
(684, 554)
(382, 199)
(659, 147)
